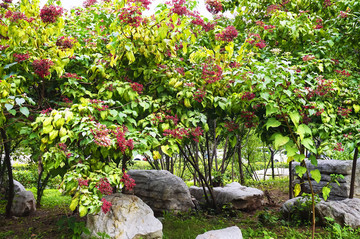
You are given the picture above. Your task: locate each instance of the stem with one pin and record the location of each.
(7, 160)
(353, 173)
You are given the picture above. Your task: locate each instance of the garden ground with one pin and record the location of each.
(55, 220)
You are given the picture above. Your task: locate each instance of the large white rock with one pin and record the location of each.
(161, 190)
(226, 233)
(240, 197)
(18, 187)
(129, 218)
(344, 212)
(24, 203)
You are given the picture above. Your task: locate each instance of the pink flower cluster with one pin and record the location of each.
(64, 148)
(46, 111)
(344, 111)
(213, 6)
(228, 34)
(196, 133)
(256, 39)
(65, 42)
(41, 67)
(50, 14)
(178, 133)
(323, 88)
(200, 22)
(104, 186)
(21, 57)
(101, 135)
(83, 182)
(248, 96)
(99, 105)
(89, 3)
(174, 119)
(343, 14)
(269, 28)
(137, 87)
(272, 8)
(343, 72)
(199, 95)
(339, 147)
(211, 72)
(71, 75)
(308, 57)
(131, 16)
(106, 206)
(327, 3)
(231, 126)
(144, 3)
(249, 117)
(122, 143)
(3, 47)
(16, 16)
(178, 7)
(129, 182)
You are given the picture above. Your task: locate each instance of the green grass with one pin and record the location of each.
(52, 198)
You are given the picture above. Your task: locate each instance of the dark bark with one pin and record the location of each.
(241, 171)
(7, 161)
(353, 173)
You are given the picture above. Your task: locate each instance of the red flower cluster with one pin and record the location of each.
(231, 126)
(211, 72)
(181, 70)
(137, 87)
(272, 8)
(177, 133)
(344, 111)
(196, 133)
(131, 16)
(269, 28)
(248, 96)
(41, 67)
(234, 64)
(318, 26)
(227, 35)
(89, 3)
(99, 104)
(323, 88)
(83, 182)
(15, 16)
(200, 22)
(49, 14)
(71, 75)
(256, 39)
(129, 182)
(213, 6)
(327, 3)
(47, 111)
(144, 3)
(101, 135)
(178, 7)
(174, 119)
(8, 1)
(65, 42)
(308, 58)
(339, 147)
(122, 143)
(106, 206)
(104, 186)
(21, 57)
(343, 14)
(199, 95)
(343, 72)
(249, 118)
(63, 148)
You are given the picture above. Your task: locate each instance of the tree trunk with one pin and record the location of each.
(353, 173)
(241, 171)
(10, 175)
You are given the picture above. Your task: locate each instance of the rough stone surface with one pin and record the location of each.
(18, 187)
(344, 212)
(24, 204)
(161, 190)
(226, 233)
(327, 167)
(129, 218)
(240, 197)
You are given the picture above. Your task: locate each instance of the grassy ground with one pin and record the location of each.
(55, 220)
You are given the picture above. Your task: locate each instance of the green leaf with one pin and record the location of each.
(19, 101)
(303, 130)
(165, 149)
(356, 108)
(25, 111)
(309, 144)
(297, 190)
(316, 175)
(272, 122)
(325, 192)
(295, 118)
(74, 203)
(280, 140)
(313, 160)
(47, 129)
(270, 109)
(8, 107)
(291, 149)
(299, 157)
(47, 121)
(300, 170)
(82, 210)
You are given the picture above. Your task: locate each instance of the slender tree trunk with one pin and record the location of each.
(291, 178)
(7, 161)
(241, 171)
(353, 173)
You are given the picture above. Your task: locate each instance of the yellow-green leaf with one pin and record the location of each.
(325, 192)
(48, 129)
(82, 210)
(356, 108)
(74, 203)
(280, 140)
(316, 175)
(297, 190)
(272, 122)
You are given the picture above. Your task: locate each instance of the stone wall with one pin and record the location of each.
(328, 167)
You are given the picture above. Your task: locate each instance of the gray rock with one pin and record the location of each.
(24, 204)
(129, 218)
(344, 212)
(161, 190)
(240, 197)
(226, 233)
(328, 167)
(18, 187)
